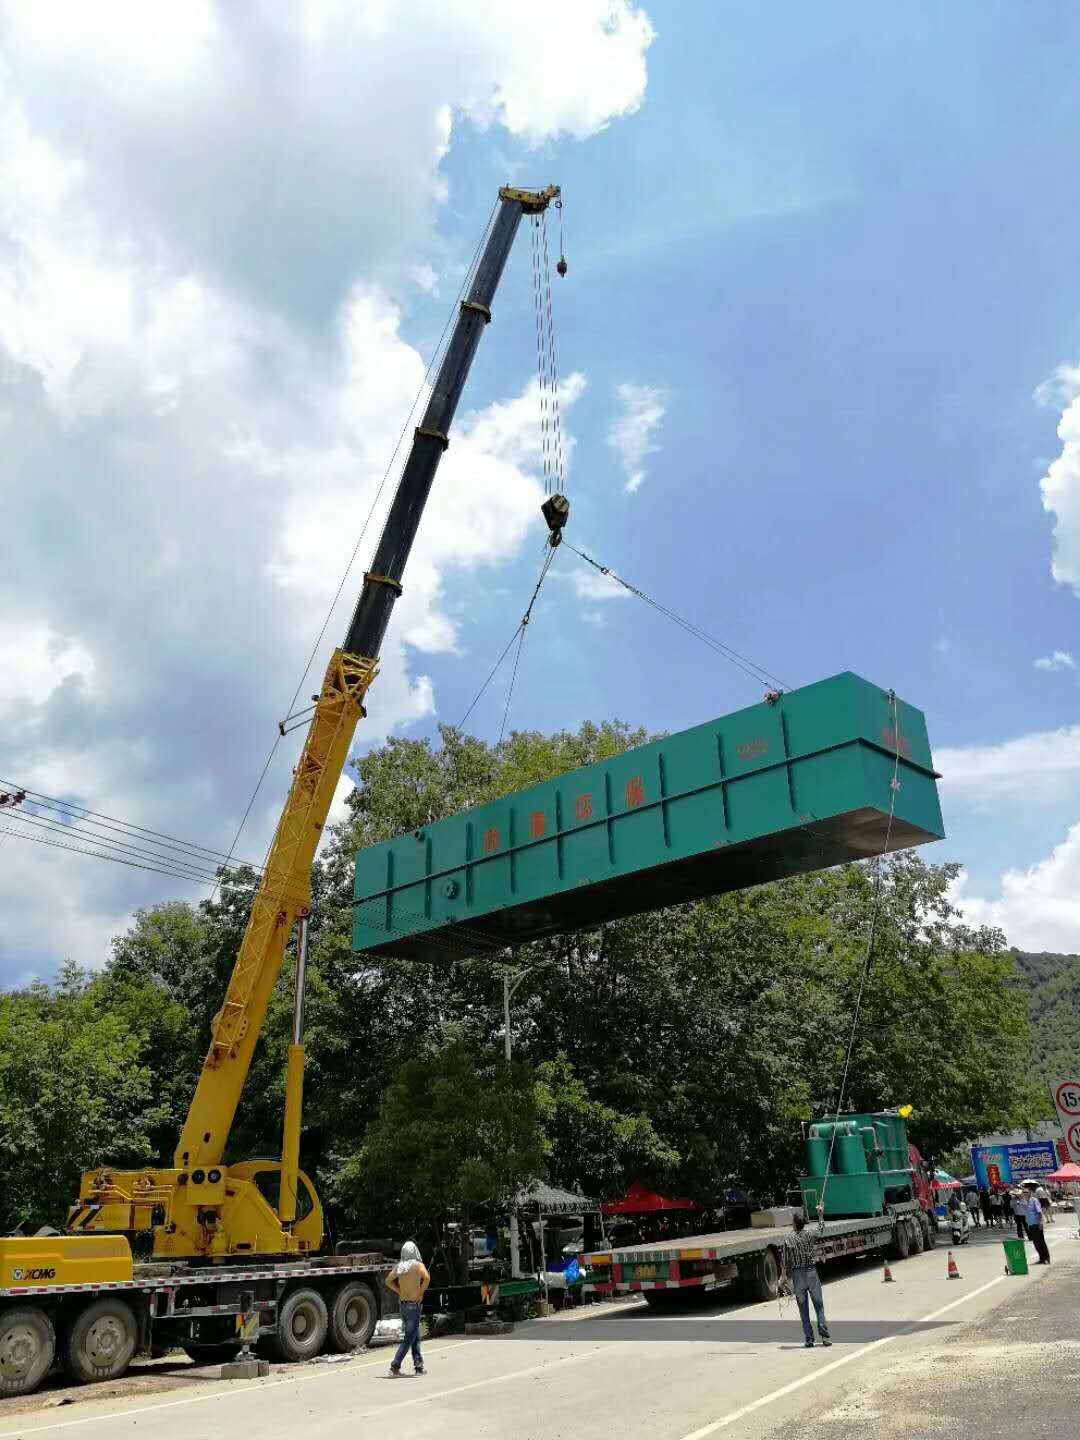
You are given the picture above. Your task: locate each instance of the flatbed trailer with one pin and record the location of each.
(93, 1329)
(749, 1259)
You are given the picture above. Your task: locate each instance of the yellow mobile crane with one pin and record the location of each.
(241, 1237)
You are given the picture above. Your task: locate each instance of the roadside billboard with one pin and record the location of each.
(1066, 1095)
(997, 1165)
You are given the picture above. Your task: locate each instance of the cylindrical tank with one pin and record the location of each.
(817, 1153)
(849, 1157)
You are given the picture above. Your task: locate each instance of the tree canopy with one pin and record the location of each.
(685, 1046)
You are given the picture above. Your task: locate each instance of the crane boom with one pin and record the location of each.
(284, 893)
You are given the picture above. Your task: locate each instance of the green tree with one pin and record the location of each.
(75, 1093)
(455, 1130)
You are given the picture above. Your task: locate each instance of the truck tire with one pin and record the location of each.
(918, 1237)
(759, 1277)
(901, 1246)
(101, 1340)
(929, 1229)
(27, 1349)
(302, 1324)
(353, 1314)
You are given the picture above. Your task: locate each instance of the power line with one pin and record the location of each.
(97, 820)
(101, 855)
(197, 870)
(749, 667)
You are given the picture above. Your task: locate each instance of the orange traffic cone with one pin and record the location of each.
(887, 1277)
(953, 1273)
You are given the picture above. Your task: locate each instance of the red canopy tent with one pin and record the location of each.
(640, 1200)
(1064, 1174)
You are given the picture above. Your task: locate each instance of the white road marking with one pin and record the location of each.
(117, 1415)
(804, 1380)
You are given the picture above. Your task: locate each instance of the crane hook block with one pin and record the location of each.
(562, 266)
(556, 511)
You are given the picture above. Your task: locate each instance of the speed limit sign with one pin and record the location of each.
(1067, 1103)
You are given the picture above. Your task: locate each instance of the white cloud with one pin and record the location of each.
(642, 408)
(1039, 907)
(1059, 660)
(203, 374)
(1029, 769)
(1060, 485)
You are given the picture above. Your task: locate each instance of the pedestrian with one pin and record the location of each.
(986, 1207)
(798, 1262)
(1006, 1208)
(1044, 1200)
(971, 1197)
(1019, 1210)
(1035, 1228)
(996, 1216)
(409, 1280)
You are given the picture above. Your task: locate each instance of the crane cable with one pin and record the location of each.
(519, 636)
(875, 912)
(749, 667)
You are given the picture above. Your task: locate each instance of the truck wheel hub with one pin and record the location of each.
(19, 1351)
(104, 1340)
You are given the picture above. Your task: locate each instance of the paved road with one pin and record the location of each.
(618, 1372)
(1009, 1375)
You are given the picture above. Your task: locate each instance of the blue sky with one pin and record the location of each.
(832, 253)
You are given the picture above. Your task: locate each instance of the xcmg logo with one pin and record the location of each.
(39, 1274)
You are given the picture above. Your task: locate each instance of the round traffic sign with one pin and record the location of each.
(1067, 1097)
(1072, 1139)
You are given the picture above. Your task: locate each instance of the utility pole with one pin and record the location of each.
(511, 981)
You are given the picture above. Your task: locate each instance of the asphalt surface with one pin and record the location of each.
(1010, 1373)
(621, 1372)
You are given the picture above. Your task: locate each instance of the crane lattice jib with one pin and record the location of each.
(284, 893)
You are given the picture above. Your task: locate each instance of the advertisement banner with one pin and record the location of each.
(998, 1165)
(1066, 1095)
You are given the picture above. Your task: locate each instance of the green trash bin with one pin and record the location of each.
(1015, 1257)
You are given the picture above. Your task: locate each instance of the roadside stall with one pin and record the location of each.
(565, 1224)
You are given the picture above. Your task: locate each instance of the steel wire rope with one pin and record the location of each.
(553, 372)
(541, 346)
(436, 355)
(743, 662)
(518, 632)
(875, 911)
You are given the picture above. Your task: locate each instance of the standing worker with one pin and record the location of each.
(1035, 1228)
(985, 1207)
(1019, 1210)
(798, 1262)
(971, 1196)
(409, 1280)
(1006, 1208)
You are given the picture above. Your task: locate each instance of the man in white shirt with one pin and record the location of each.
(1035, 1229)
(1044, 1200)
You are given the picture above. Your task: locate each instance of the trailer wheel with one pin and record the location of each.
(210, 1354)
(301, 1325)
(101, 1341)
(352, 1317)
(27, 1349)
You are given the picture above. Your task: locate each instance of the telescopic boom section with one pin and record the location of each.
(284, 894)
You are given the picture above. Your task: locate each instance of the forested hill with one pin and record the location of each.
(1053, 984)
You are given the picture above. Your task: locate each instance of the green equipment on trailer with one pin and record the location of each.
(799, 782)
(859, 1165)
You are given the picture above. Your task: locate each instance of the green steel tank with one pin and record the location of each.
(857, 1166)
